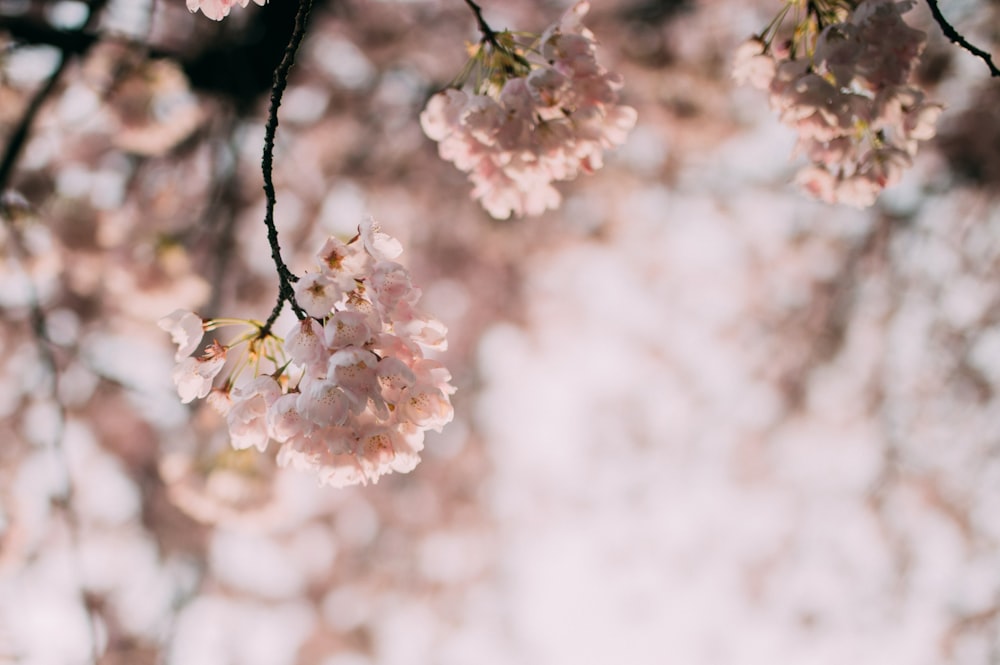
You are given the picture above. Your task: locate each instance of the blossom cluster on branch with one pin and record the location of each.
(350, 393)
(538, 114)
(842, 83)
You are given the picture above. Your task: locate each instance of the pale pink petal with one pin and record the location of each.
(186, 330)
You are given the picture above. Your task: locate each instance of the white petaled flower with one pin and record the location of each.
(858, 120)
(549, 113)
(186, 330)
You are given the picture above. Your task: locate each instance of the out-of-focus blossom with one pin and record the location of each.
(218, 9)
(751, 65)
(859, 123)
(534, 121)
(351, 393)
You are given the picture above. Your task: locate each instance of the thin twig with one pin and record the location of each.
(285, 277)
(18, 257)
(12, 152)
(36, 315)
(72, 46)
(953, 35)
(490, 37)
(489, 34)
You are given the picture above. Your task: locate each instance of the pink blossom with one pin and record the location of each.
(346, 328)
(819, 182)
(857, 190)
(353, 369)
(323, 403)
(186, 330)
(220, 400)
(304, 344)
(247, 418)
(427, 407)
(443, 113)
(890, 48)
(409, 443)
(391, 284)
(317, 294)
(751, 65)
(360, 395)
(343, 264)
(858, 122)
(376, 449)
(920, 122)
(327, 452)
(284, 419)
(546, 86)
(419, 327)
(517, 136)
(884, 166)
(394, 376)
(194, 376)
(218, 9)
(380, 246)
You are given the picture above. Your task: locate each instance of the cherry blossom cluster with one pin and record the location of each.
(350, 393)
(540, 114)
(845, 91)
(218, 9)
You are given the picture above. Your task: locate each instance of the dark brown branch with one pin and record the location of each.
(285, 276)
(73, 43)
(490, 37)
(489, 34)
(953, 35)
(28, 31)
(19, 255)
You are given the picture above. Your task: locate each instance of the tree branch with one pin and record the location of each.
(953, 35)
(285, 277)
(74, 43)
(490, 37)
(489, 34)
(23, 130)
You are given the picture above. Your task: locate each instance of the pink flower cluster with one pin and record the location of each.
(218, 9)
(520, 134)
(859, 123)
(352, 393)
